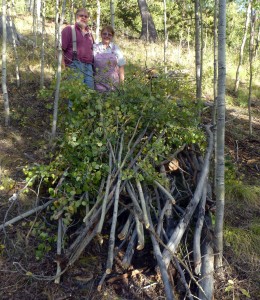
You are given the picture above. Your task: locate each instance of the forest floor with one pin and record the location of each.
(25, 142)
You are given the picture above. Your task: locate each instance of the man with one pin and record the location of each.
(82, 59)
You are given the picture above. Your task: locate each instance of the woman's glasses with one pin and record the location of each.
(107, 34)
(83, 16)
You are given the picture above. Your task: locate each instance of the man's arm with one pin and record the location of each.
(121, 74)
(66, 38)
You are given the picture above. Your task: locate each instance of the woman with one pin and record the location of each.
(108, 62)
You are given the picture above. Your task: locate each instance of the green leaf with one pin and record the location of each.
(229, 288)
(245, 293)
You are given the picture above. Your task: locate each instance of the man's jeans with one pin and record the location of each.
(84, 69)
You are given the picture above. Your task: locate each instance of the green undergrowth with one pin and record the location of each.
(244, 240)
(241, 194)
(242, 228)
(147, 119)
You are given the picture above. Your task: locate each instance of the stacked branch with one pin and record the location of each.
(130, 167)
(162, 211)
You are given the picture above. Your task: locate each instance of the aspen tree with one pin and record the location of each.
(165, 35)
(43, 44)
(58, 74)
(35, 25)
(98, 21)
(112, 13)
(241, 53)
(57, 15)
(257, 40)
(17, 62)
(215, 86)
(4, 86)
(251, 66)
(72, 12)
(221, 110)
(198, 49)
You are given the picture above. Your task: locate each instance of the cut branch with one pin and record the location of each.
(183, 223)
(26, 214)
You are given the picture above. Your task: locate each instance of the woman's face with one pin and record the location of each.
(106, 36)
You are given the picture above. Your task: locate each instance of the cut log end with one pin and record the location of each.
(121, 236)
(108, 271)
(99, 288)
(140, 247)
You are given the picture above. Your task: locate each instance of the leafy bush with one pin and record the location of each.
(143, 116)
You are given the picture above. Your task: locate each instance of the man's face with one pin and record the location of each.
(82, 18)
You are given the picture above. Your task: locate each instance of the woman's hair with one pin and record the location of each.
(109, 29)
(82, 10)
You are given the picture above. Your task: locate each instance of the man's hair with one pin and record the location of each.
(109, 29)
(82, 10)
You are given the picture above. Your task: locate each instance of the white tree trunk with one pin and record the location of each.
(221, 110)
(112, 13)
(98, 21)
(4, 86)
(38, 11)
(72, 12)
(243, 45)
(165, 36)
(257, 40)
(251, 66)
(215, 87)
(58, 74)
(35, 25)
(198, 49)
(17, 62)
(57, 15)
(201, 49)
(43, 45)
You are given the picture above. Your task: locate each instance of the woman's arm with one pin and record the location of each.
(121, 74)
